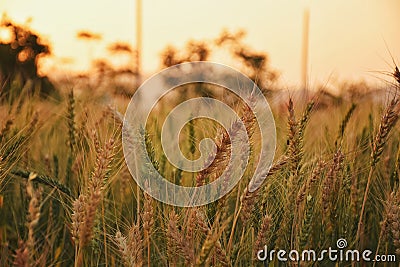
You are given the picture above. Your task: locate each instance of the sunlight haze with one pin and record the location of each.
(347, 39)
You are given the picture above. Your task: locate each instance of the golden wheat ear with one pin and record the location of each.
(130, 247)
(211, 241)
(28, 250)
(177, 245)
(388, 121)
(148, 222)
(262, 234)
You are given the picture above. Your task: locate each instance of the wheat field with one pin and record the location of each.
(67, 197)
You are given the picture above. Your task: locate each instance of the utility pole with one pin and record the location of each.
(138, 42)
(138, 73)
(304, 53)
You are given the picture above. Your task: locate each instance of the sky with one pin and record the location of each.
(349, 39)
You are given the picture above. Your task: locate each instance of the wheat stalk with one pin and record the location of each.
(176, 242)
(391, 215)
(24, 255)
(394, 224)
(211, 240)
(71, 121)
(85, 207)
(307, 220)
(148, 222)
(315, 175)
(199, 220)
(77, 217)
(95, 191)
(130, 247)
(262, 234)
(344, 123)
(388, 121)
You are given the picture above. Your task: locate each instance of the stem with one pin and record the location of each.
(104, 233)
(228, 248)
(377, 248)
(138, 204)
(360, 222)
(148, 248)
(238, 208)
(78, 257)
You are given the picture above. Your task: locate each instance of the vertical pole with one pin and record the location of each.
(139, 41)
(304, 59)
(138, 77)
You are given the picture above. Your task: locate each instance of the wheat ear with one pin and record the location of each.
(176, 242)
(131, 247)
(388, 121)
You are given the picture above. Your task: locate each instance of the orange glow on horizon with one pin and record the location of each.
(347, 39)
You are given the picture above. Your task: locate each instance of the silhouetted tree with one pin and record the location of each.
(195, 51)
(169, 57)
(88, 36)
(124, 73)
(255, 64)
(114, 74)
(120, 47)
(19, 56)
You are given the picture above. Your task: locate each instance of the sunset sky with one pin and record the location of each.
(348, 38)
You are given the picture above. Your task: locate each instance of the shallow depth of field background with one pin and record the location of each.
(67, 73)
